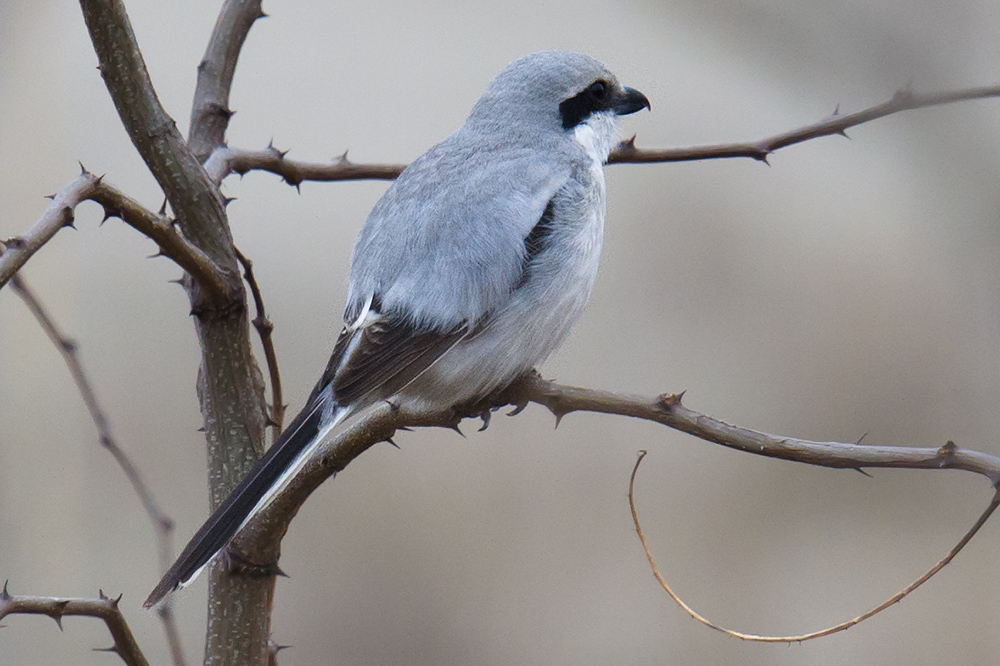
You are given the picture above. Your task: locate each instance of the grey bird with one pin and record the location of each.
(469, 272)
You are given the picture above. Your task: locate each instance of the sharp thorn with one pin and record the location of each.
(454, 426)
(83, 169)
(107, 649)
(5, 595)
(861, 439)
(389, 439)
(163, 208)
(559, 417)
(858, 469)
(518, 409)
(485, 415)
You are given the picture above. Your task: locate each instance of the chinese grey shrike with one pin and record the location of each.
(469, 272)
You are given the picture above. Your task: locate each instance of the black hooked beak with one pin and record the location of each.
(629, 100)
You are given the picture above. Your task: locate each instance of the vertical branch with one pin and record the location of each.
(230, 391)
(210, 112)
(264, 329)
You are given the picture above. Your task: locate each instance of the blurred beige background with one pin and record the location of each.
(851, 287)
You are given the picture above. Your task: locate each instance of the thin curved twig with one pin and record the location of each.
(104, 608)
(162, 523)
(942, 563)
(264, 328)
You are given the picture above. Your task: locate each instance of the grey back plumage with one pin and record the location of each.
(492, 180)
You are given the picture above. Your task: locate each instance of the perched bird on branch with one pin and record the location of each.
(470, 270)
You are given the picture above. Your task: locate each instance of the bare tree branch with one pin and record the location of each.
(225, 161)
(896, 598)
(230, 388)
(264, 329)
(668, 410)
(259, 542)
(104, 608)
(210, 112)
(903, 100)
(61, 213)
(162, 524)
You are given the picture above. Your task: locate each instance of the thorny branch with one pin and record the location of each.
(667, 409)
(264, 329)
(162, 523)
(210, 112)
(104, 608)
(847, 624)
(225, 161)
(259, 541)
(159, 228)
(903, 100)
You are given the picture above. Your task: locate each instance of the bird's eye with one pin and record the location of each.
(598, 89)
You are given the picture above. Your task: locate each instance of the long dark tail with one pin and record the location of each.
(271, 473)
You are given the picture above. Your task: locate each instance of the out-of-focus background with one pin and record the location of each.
(849, 288)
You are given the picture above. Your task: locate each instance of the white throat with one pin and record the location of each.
(598, 135)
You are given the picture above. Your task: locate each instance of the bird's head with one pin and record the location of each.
(554, 91)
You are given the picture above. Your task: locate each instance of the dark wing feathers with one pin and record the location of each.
(385, 355)
(227, 518)
(390, 353)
